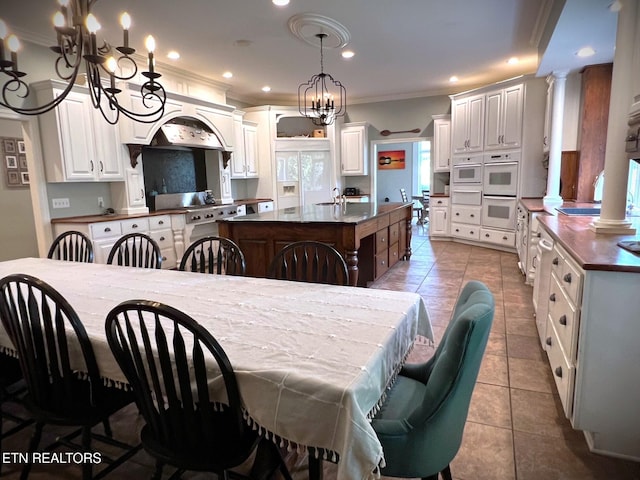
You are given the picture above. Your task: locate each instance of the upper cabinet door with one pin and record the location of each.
(74, 126)
(353, 150)
(250, 140)
(503, 120)
(467, 124)
(442, 145)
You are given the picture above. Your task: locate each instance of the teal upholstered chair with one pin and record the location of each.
(422, 420)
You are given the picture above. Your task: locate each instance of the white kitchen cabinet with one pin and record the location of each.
(354, 141)
(438, 217)
(441, 143)
(244, 161)
(467, 124)
(79, 145)
(503, 120)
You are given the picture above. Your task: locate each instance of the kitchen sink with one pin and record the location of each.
(579, 211)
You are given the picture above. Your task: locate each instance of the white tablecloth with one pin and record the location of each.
(312, 361)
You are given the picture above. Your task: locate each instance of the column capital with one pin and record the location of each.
(560, 74)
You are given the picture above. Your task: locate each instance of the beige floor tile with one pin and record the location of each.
(532, 375)
(490, 405)
(522, 346)
(494, 370)
(538, 413)
(486, 454)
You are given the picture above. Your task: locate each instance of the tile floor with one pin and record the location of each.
(516, 428)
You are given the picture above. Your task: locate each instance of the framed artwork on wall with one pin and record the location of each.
(14, 159)
(391, 160)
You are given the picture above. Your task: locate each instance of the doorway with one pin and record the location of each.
(413, 174)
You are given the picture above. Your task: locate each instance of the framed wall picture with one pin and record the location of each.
(391, 160)
(13, 179)
(9, 145)
(14, 160)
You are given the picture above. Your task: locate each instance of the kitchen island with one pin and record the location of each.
(586, 289)
(372, 237)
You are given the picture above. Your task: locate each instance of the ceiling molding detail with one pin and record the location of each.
(306, 26)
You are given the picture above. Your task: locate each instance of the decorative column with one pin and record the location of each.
(616, 162)
(553, 198)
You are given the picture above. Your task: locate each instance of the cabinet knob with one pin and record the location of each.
(457, 214)
(555, 261)
(504, 238)
(552, 297)
(161, 222)
(162, 239)
(558, 372)
(164, 259)
(471, 232)
(135, 225)
(563, 320)
(472, 215)
(487, 235)
(107, 229)
(91, 163)
(548, 341)
(567, 278)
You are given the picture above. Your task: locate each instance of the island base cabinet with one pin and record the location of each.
(607, 386)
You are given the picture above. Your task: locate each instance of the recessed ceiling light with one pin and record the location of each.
(227, 74)
(266, 88)
(347, 54)
(513, 61)
(280, 3)
(173, 55)
(586, 52)
(453, 79)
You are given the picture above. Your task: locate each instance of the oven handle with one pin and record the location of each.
(500, 163)
(468, 165)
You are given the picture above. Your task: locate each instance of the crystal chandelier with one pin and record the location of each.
(76, 28)
(316, 101)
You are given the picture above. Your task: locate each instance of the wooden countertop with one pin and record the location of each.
(346, 213)
(592, 251)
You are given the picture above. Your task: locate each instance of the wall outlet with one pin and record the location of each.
(101, 202)
(60, 203)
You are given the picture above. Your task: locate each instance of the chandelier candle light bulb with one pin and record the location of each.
(111, 66)
(3, 34)
(150, 43)
(14, 45)
(125, 21)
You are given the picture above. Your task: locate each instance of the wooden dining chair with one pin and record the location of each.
(216, 255)
(170, 361)
(136, 250)
(309, 261)
(72, 246)
(416, 209)
(64, 386)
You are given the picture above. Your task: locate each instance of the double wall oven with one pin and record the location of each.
(500, 188)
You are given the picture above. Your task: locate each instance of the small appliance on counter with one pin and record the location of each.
(351, 191)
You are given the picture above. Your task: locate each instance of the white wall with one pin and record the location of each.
(389, 182)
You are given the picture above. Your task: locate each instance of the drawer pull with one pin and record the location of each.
(552, 297)
(558, 372)
(567, 278)
(161, 222)
(563, 320)
(548, 341)
(457, 214)
(164, 259)
(555, 261)
(472, 215)
(135, 225)
(487, 235)
(504, 238)
(471, 232)
(107, 229)
(162, 239)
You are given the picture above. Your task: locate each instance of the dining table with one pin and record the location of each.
(313, 362)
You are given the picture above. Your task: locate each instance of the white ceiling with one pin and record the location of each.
(403, 49)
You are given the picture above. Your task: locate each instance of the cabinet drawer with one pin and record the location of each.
(169, 258)
(466, 214)
(382, 263)
(439, 202)
(105, 229)
(382, 240)
(164, 238)
(265, 207)
(465, 231)
(383, 222)
(135, 225)
(394, 233)
(500, 237)
(394, 254)
(571, 280)
(557, 261)
(462, 196)
(159, 222)
(565, 317)
(563, 373)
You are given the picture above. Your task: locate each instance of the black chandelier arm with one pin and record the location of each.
(16, 84)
